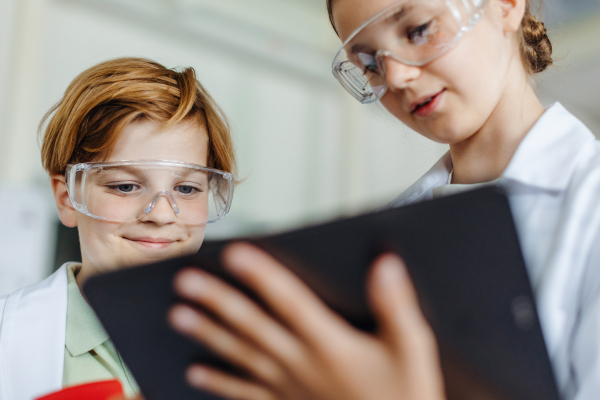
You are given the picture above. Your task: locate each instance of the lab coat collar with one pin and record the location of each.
(32, 339)
(422, 189)
(547, 156)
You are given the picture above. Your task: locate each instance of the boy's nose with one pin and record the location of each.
(162, 209)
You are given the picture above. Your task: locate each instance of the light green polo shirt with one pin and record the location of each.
(89, 353)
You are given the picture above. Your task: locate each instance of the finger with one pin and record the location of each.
(396, 306)
(284, 293)
(224, 343)
(239, 312)
(226, 385)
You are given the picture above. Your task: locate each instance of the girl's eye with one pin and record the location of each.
(186, 189)
(372, 68)
(369, 63)
(420, 34)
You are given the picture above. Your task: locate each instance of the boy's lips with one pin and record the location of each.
(152, 243)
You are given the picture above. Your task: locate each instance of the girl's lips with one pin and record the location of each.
(427, 105)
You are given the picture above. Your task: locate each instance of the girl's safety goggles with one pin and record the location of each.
(413, 32)
(122, 191)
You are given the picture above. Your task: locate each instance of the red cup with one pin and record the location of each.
(102, 390)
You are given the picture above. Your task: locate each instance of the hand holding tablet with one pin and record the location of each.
(311, 353)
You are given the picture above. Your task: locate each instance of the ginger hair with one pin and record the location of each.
(85, 124)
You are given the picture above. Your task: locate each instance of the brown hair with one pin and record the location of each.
(102, 100)
(536, 49)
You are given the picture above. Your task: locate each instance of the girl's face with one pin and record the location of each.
(467, 81)
(160, 234)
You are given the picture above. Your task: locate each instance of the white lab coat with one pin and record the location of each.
(32, 338)
(553, 183)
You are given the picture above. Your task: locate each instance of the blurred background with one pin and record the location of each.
(307, 151)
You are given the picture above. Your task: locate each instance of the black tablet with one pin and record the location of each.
(462, 253)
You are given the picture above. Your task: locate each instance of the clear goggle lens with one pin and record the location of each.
(130, 190)
(413, 32)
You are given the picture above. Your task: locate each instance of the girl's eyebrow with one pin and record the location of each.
(359, 48)
(393, 17)
(398, 14)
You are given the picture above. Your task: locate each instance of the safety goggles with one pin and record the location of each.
(413, 32)
(123, 191)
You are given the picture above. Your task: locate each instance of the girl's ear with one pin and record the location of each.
(66, 212)
(512, 13)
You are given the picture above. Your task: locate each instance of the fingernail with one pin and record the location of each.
(191, 284)
(197, 375)
(392, 270)
(184, 319)
(240, 258)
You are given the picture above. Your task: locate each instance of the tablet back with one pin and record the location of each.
(461, 251)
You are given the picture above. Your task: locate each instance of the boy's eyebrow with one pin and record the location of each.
(135, 170)
(124, 168)
(185, 171)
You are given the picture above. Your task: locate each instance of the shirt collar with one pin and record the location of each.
(547, 156)
(84, 330)
(438, 175)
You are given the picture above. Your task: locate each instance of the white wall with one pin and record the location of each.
(26, 242)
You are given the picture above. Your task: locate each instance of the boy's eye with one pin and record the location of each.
(420, 35)
(124, 188)
(186, 189)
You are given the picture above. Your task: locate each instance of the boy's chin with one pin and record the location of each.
(142, 257)
(133, 256)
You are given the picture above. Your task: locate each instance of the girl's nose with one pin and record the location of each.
(399, 75)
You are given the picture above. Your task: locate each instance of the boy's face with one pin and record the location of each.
(160, 234)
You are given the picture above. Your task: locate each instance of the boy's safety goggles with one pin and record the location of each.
(413, 32)
(123, 191)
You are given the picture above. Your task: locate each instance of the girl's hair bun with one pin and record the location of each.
(535, 47)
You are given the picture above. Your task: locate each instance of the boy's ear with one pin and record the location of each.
(512, 12)
(66, 212)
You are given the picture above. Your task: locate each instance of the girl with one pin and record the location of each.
(140, 160)
(458, 72)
